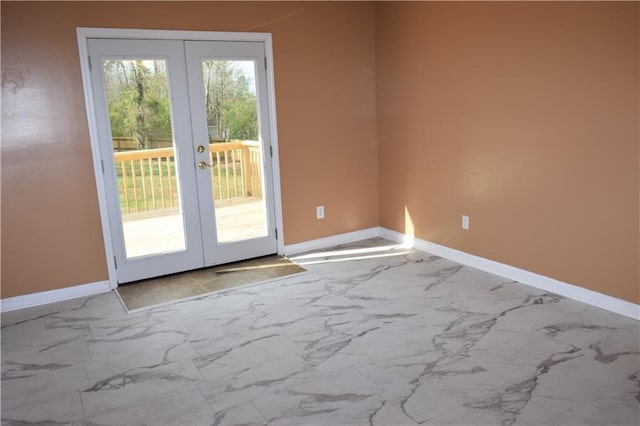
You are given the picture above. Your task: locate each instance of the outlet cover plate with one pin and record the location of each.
(465, 222)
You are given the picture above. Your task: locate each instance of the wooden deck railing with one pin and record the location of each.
(147, 181)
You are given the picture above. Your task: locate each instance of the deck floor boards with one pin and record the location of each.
(236, 220)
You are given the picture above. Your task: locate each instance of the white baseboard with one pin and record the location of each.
(59, 295)
(334, 240)
(571, 291)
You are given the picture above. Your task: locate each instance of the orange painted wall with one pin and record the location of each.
(325, 94)
(524, 116)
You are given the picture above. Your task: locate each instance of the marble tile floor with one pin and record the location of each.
(374, 334)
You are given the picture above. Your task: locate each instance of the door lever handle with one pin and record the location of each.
(203, 164)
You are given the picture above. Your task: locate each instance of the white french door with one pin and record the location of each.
(183, 129)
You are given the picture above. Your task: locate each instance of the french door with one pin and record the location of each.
(185, 150)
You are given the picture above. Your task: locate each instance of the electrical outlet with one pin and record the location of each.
(465, 222)
(320, 212)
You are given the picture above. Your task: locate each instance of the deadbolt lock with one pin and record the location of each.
(200, 149)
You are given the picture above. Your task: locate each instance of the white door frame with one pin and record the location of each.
(83, 34)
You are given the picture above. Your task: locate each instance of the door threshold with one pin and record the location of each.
(199, 282)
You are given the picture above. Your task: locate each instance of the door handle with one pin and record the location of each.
(203, 164)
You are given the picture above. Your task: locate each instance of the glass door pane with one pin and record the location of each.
(144, 156)
(235, 151)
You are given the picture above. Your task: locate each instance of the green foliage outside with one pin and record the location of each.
(138, 98)
(230, 101)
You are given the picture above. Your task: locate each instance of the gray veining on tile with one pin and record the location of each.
(374, 334)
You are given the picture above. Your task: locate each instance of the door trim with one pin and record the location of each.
(84, 33)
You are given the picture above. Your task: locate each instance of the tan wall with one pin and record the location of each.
(325, 92)
(526, 118)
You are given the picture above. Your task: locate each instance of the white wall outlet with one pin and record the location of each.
(320, 212)
(465, 222)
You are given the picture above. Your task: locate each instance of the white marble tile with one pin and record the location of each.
(238, 370)
(620, 349)
(224, 395)
(398, 379)
(359, 265)
(513, 356)
(104, 364)
(377, 346)
(390, 412)
(230, 304)
(373, 334)
(338, 350)
(152, 337)
(30, 391)
(22, 331)
(49, 346)
(578, 333)
(561, 381)
(422, 328)
(22, 316)
(296, 292)
(244, 414)
(261, 371)
(183, 406)
(502, 413)
(617, 405)
(137, 386)
(80, 312)
(446, 386)
(61, 408)
(15, 370)
(245, 350)
(347, 398)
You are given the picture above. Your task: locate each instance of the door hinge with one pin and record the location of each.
(102, 164)
(265, 62)
(90, 67)
(276, 233)
(271, 151)
(115, 262)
